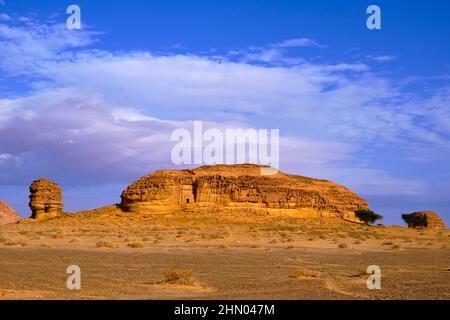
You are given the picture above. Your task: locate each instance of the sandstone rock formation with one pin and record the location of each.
(426, 219)
(45, 199)
(7, 214)
(240, 187)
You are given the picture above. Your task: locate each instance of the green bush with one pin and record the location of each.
(368, 216)
(414, 220)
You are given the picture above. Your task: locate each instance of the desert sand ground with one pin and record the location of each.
(214, 255)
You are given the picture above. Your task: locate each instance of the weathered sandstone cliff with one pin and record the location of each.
(241, 187)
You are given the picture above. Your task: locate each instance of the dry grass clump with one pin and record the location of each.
(136, 245)
(362, 273)
(342, 245)
(176, 276)
(104, 244)
(212, 236)
(301, 273)
(16, 243)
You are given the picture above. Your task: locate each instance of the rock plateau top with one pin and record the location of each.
(241, 187)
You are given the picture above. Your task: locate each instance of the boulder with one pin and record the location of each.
(45, 199)
(7, 214)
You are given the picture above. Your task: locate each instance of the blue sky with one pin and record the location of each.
(93, 109)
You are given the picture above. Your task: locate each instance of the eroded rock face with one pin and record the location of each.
(425, 219)
(240, 186)
(45, 199)
(7, 214)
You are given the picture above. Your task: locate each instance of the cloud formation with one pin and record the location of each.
(99, 117)
(384, 58)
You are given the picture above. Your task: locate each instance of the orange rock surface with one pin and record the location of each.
(7, 214)
(45, 199)
(240, 187)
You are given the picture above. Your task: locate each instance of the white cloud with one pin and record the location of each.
(4, 16)
(33, 44)
(276, 53)
(299, 42)
(77, 138)
(5, 156)
(385, 58)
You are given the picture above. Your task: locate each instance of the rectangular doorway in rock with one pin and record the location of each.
(187, 196)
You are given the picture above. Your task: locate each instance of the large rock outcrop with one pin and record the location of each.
(425, 219)
(45, 199)
(240, 187)
(7, 214)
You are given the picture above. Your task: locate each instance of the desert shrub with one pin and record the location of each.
(413, 220)
(16, 243)
(362, 273)
(300, 273)
(104, 244)
(342, 245)
(136, 245)
(395, 247)
(178, 276)
(368, 216)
